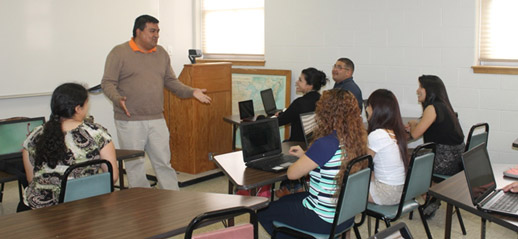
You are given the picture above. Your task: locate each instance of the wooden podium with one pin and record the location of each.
(196, 128)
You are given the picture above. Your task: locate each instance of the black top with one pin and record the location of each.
(350, 85)
(291, 116)
(443, 129)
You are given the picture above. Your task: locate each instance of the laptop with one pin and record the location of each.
(262, 148)
(13, 133)
(482, 184)
(246, 110)
(269, 102)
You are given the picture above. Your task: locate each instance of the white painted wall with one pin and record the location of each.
(392, 42)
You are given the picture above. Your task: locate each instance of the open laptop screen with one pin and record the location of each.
(246, 109)
(260, 138)
(13, 133)
(268, 101)
(479, 173)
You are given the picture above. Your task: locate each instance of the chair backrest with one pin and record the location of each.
(354, 193)
(474, 140)
(308, 123)
(419, 173)
(88, 186)
(245, 231)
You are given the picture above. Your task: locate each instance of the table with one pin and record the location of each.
(132, 213)
(124, 154)
(233, 166)
(454, 191)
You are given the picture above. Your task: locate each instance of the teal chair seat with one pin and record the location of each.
(312, 234)
(391, 211)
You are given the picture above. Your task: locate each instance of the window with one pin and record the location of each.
(232, 29)
(498, 39)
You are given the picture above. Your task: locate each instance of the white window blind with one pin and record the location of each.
(232, 27)
(498, 37)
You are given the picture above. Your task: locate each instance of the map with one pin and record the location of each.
(249, 86)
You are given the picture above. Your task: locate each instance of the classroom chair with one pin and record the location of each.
(244, 231)
(88, 186)
(352, 200)
(417, 182)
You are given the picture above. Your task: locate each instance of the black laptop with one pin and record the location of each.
(13, 133)
(262, 148)
(269, 102)
(482, 184)
(246, 110)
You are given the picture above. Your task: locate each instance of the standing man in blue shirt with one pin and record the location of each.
(343, 71)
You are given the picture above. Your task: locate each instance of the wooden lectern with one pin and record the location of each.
(196, 128)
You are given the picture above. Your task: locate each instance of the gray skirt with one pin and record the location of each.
(448, 159)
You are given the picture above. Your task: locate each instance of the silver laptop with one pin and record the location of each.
(262, 148)
(482, 184)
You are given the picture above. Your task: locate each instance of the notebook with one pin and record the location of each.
(246, 110)
(261, 145)
(13, 133)
(482, 184)
(269, 102)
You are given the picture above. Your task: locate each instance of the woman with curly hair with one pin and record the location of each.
(387, 146)
(64, 140)
(340, 137)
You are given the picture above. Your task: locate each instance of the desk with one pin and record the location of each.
(241, 177)
(454, 191)
(132, 213)
(123, 154)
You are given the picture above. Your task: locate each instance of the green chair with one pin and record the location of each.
(417, 182)
(244, 231)
(88, 186)
(352, 200)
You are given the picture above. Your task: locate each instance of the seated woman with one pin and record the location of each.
(388, 147)
(340, 137)
(439, 124)
(309, 83)
(64, 140)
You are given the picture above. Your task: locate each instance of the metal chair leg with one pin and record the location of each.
(425, 224)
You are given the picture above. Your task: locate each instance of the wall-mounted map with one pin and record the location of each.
(248, 83)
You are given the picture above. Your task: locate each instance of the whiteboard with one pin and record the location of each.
(48, 42)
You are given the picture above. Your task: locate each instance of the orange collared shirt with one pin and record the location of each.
(134, 47)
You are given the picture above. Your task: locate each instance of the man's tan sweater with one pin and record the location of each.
(141, 78)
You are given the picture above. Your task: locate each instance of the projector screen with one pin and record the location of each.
(48, 42)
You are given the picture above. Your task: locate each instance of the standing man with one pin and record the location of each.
(343, 71)
(135, 74)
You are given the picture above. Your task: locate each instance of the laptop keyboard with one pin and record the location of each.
(284, 160)
(507, 202)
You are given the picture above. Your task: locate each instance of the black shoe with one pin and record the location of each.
(431, 208)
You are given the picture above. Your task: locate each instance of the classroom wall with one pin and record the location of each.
(391, 43)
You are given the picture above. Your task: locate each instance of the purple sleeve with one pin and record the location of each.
(323, 149)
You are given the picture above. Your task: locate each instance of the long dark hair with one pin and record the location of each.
(315, 78)
(436, 92)
(386, 115)
(50, 146)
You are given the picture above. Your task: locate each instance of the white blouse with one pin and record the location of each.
(388, 165)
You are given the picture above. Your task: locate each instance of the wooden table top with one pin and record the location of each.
(123, 154)
(454, 190)
(242, 177)
(135, 213)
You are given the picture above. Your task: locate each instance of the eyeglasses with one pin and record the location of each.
(340, 67)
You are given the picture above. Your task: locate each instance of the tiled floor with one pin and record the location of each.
(219, 185)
